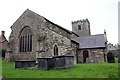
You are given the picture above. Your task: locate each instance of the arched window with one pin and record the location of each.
(25, 40)
(55, 50)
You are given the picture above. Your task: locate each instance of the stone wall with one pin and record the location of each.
(13, 57)
(58, 29)
(74, 46)
(79, 56)
(95, 55)
(33, 21)
(74, 35)
(62, 42)
(44, 36)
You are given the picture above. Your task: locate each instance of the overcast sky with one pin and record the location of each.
(102, 14)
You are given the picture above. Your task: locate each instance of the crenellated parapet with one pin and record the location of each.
(83, 20)
(81, 27)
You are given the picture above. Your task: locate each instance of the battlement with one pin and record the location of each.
(81, 27)
(84, 20)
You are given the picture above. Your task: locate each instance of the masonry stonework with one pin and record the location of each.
(81, 27)
(34, 36)
(95, 55)
(45, 35)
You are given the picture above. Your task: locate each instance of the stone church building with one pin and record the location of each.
(33, 36)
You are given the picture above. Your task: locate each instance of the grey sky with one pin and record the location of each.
(102, 14)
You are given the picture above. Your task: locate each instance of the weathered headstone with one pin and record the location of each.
(110, 57)
(95, 60)
(88, 60)
(45, 63)
(56, 62)
(64, 61)
(25, 63)
(118, 57)
(118, 60)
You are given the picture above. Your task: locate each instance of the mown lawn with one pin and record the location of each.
(93, 70)
(0, 67)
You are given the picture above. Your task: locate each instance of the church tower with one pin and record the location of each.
(81, 27)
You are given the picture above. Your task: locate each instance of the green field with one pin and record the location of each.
(98, 70)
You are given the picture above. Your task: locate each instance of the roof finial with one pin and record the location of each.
(104, 31)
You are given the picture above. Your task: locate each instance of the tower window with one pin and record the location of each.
(79, 27)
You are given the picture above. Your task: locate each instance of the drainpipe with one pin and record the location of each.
(104, 55)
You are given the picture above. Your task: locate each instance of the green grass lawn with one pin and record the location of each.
(93, 70)
(0, 67)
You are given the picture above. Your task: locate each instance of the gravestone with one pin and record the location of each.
(45, 63)
(95, 60)
(25, 63)
(56, 62)
(110, 57)
(88, 60)
(64, 61)
(118, 57)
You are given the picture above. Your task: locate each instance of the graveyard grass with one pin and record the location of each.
(91, 70)
(0, 69)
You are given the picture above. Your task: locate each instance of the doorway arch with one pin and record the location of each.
(85, 55)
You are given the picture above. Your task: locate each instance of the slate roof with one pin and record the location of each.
(51, 22)
(93, 41)
(58, 25)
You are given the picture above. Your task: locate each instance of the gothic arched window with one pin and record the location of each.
(55, 50)
(25, 40)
